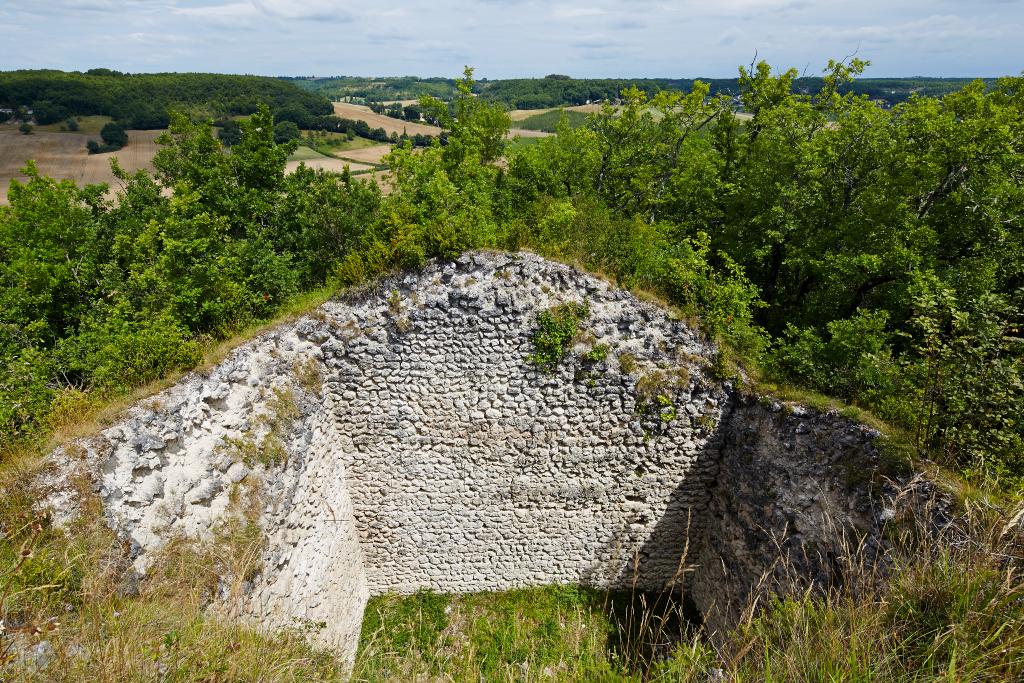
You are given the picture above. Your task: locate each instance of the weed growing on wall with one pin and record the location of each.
(556, 329)
(655, 391)
(309, 375)
(264, 444)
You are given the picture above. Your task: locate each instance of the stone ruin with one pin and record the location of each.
(403, 438)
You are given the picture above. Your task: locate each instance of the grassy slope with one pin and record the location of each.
(303, 153)
(548, 121)
(336, 144)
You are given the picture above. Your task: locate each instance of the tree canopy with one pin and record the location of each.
(144, 101)
(874, 254)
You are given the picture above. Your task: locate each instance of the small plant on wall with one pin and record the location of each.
(556, 329)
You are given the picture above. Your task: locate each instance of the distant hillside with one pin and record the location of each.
(142, 101)
(557, 91)
(385, 89)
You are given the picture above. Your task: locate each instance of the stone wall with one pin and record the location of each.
(795, 498)
(402, 439)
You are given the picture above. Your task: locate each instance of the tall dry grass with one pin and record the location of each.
(949, 606)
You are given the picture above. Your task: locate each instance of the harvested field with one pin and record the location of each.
(523, 133)
(522, 114)
(63, 155)
(361, 113)
(367, 155)
(327, 164)
(586, 108)
(390, 125)
(404, 103)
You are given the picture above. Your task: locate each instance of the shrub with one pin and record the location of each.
(556, 329)
(114, 135)
(117, 353)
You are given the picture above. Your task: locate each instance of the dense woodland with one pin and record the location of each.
(829, 243)
(144, 101)
(557, 90)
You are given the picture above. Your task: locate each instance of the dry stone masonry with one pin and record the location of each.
(402, 439)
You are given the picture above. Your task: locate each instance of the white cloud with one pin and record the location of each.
(320, 10)
(731, 35)
(565, 12)
(505, 38)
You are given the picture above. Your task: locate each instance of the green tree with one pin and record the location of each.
(114, 135)
(46, 112)
(286, 131)
(230, 133)
(477, 129)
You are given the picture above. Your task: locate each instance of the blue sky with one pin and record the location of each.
(509, 38)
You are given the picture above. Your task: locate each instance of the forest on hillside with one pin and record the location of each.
(828, 244)
(557, 90)
(144, 101)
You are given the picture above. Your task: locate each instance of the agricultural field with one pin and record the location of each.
(390, 125)
(313, 159)
(523, 114)
(337, 144)
(63, 155)
(525, 133)
(548, 121)
(368, 154)
(87, 125)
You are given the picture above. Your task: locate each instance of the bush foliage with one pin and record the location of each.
(872, 254)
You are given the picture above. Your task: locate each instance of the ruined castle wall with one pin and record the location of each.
(402, 438)
(471, 470)
(177, 466)
(795, 498)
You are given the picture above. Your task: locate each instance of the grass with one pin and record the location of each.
(332, 144)
(303, 153)
(552, 632)
(72, 595)
(548, 121)
(87, 125)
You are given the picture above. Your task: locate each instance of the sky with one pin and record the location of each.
(514, 38)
